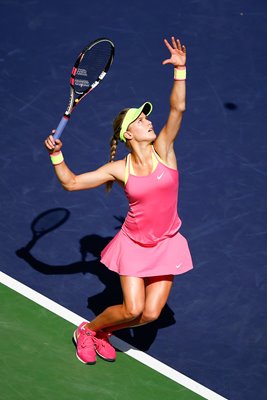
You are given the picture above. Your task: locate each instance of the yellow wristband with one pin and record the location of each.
(57, 158)
(180, 74)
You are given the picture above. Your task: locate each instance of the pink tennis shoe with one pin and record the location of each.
(103, 347)
(89, 343)
(85, 344)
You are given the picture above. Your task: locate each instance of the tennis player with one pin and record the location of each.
(149, 250)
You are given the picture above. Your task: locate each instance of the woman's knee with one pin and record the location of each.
(133, 311)
(150, 315)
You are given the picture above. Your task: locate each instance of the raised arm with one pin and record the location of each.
(164, 142)
(70, 181)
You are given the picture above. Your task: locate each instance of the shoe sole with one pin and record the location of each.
(101, 356)
(74, 339)
(106, 359)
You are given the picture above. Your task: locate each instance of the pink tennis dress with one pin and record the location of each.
(149, 242)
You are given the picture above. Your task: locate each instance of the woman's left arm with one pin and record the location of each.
(164, 142)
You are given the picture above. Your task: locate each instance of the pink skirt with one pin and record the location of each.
(171, 256)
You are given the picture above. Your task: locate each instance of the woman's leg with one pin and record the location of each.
(143, 302)
(157, 290)
(133, 305)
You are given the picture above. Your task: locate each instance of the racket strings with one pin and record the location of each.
(92, 65)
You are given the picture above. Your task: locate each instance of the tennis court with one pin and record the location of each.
(210, 340)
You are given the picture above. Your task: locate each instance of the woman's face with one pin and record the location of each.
(142, 129)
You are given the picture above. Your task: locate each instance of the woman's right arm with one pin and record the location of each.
(108, 172)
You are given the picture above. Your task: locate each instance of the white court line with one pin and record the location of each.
(118, 343)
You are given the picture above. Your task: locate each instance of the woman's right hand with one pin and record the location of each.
(51, 144)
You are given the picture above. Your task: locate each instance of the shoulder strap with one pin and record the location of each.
(157, 156)
(127, 169)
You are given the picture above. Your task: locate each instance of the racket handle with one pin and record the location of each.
(60, 128)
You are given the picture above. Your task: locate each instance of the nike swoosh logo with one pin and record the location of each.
(160, 176)
(178, 266)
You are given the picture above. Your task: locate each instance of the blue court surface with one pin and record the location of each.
(213, 328)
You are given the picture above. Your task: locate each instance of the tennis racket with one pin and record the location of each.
(88, 71)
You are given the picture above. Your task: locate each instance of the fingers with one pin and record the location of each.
(51, 144)
(168, 61)
(169, 47)
(180, 47)
(176, 45)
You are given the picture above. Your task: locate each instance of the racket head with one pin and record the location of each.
(92, 65)
(49, 220)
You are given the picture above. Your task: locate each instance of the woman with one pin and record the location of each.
(149, 250)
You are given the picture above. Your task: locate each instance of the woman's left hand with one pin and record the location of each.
(178, 53)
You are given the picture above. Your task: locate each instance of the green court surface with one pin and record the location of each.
(38, 362)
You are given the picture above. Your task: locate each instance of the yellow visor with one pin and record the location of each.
(131, 115)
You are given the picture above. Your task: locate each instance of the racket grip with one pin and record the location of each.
(61, 127)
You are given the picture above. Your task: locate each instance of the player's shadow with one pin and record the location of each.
(141, 337)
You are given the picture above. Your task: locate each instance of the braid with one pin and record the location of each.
(113, 149)
(114, 141)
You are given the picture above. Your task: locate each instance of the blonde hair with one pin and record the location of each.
(114, 140)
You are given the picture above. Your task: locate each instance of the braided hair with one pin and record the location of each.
(114, 140)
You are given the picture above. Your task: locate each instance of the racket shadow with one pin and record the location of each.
(141, 337)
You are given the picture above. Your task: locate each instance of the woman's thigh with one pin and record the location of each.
(133, 290)
(157, 290)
